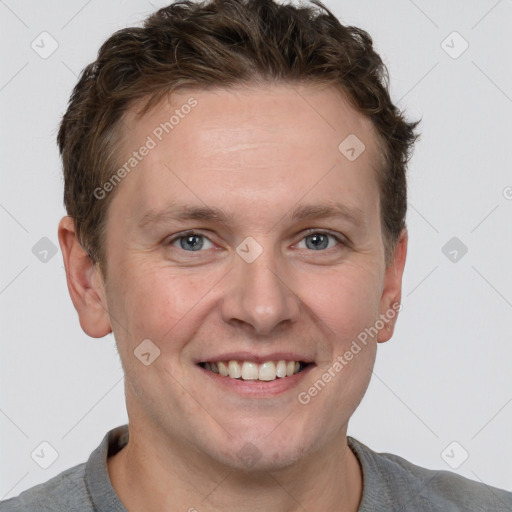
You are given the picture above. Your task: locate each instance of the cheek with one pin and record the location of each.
(346, 301)
(153, 301)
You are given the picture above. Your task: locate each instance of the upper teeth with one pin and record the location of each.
(247, 370)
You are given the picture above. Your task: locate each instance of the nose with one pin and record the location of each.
(259, 296)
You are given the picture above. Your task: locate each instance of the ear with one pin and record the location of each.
(85, 283)
(392, 289)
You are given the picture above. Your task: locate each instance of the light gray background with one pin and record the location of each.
(446, 374)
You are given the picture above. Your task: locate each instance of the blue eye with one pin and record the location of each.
(319, 240)
(196, 242)
(191, 242)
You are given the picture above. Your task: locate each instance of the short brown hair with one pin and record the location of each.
(222, 43)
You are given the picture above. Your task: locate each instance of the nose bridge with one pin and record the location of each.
(258, 293)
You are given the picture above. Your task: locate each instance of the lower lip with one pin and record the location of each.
(259, 388)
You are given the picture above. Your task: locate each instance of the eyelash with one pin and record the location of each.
(309, 232)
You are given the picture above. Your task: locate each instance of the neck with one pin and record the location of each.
(150, 474)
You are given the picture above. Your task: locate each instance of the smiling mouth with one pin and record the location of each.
(248, 370)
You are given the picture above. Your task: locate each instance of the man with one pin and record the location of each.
(236, 197)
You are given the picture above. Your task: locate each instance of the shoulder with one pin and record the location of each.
(66, 491)
(391, 479)
(84, 488)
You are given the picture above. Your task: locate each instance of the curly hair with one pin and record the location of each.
(223, 43)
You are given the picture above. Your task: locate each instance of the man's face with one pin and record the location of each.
(258, 282)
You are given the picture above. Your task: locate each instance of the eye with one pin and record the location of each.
(191, 242)
(320, 240)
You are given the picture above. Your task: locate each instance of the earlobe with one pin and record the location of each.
(86, 288)
(392, 289)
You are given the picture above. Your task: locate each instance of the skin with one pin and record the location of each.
(256, 153)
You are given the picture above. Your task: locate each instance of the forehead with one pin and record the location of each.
(257, 143)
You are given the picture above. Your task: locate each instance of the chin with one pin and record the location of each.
(251, 459)
(264, 449)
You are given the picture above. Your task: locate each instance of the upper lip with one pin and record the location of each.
(256, 358)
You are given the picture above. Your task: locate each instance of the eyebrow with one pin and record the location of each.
(351, 214)
(182, 213)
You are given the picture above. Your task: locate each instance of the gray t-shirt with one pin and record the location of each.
(390, 483)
